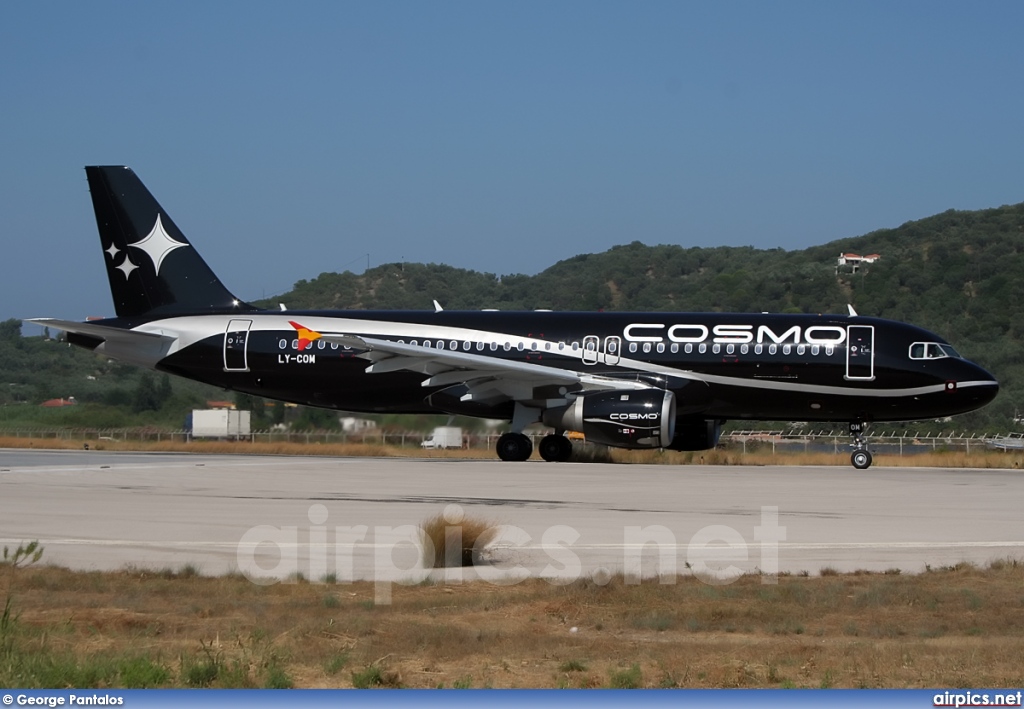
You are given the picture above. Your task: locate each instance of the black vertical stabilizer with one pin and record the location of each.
(151, 265)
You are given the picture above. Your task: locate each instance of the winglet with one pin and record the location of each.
(437, 307)
(853, 313)
(306, 336)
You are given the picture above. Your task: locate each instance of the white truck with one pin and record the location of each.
(444, 437)
(220, 423)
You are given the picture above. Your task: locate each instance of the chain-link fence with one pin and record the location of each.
(889, 441)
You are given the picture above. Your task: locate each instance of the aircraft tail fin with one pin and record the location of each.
(152, 267)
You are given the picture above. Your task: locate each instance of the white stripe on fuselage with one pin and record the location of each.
(192, 329)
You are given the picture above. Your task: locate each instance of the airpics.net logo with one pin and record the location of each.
(389, 555)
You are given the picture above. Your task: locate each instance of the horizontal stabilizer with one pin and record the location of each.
(103, 332)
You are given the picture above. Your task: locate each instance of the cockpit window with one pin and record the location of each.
(932, 350)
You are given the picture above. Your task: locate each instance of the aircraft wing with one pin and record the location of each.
(487, 379)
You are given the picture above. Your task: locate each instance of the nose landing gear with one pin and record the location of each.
(861, 456)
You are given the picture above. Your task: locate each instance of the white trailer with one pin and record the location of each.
(444, 437)
(221, 423)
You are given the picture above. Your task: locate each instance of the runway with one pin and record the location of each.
(352, 518)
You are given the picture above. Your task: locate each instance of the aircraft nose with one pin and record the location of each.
(978, 384)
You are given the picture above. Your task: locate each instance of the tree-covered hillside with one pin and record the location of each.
(958, 273)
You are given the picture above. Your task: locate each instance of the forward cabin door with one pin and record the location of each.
(860, 352)
(236, 342)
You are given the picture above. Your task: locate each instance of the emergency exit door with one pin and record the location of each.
(236, 342)
(860, 352)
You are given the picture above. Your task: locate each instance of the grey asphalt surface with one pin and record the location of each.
(272, 516)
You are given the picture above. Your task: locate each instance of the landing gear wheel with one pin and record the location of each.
(861, 457)
(861, 460)
(514, 446)
(555, 448)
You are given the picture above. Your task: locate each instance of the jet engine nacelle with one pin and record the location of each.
(696, 434)
(623, 419)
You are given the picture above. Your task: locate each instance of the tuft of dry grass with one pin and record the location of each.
(452, 539)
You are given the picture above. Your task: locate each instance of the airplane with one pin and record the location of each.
(624, 379)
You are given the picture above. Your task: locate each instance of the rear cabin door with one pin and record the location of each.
(860, 352)
(236, 341)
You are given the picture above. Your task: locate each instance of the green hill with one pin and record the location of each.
(960, 274)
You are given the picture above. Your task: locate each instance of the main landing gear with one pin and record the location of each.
(514, 447)
(555, 448)
(861, 456)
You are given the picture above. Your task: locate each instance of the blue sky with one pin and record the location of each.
(291, 139)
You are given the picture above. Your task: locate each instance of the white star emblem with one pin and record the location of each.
(113, 251)
(127, 266)
(157, 244)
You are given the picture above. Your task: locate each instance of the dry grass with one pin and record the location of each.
(215, 447)
(977, 458)
(452, 539)
(955, 627)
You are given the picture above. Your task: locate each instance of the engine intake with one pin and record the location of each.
(623, 419)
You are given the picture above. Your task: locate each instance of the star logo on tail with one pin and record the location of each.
(157, 244)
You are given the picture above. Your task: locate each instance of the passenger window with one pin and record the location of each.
(661, 347)
(647, 347)
(675, 347)
(703, 348)
(689, 347)
(758, 349)
(730, 349)
(632, 347)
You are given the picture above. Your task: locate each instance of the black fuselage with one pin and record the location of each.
(750, 366)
